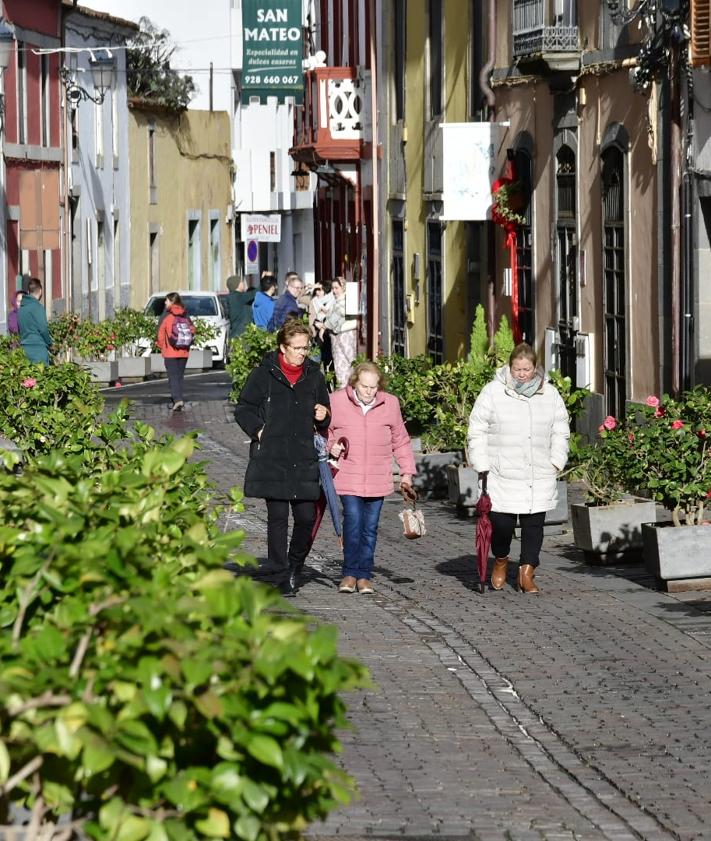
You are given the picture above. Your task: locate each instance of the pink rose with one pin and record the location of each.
(630, 437)
(117, 384)
(30, 382)
(677, 424)
(659, 413)
(652, 401)
(708, 494)
(609, 422)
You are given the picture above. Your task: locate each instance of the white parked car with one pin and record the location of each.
(200, 306)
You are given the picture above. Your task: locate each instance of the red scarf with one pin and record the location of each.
(291, 372)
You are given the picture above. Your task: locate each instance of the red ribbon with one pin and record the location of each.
(511, 243)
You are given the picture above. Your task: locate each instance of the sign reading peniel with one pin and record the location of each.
(272, 49)
(261, 228)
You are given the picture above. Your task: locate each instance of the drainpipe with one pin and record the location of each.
(374, 304)
(687, 274)
(675, 167)
(491, 228)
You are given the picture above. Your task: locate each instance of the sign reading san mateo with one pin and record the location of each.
(272, 49)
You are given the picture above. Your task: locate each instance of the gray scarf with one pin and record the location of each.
(530, 388)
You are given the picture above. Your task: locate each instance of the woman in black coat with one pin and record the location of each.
(281, 403)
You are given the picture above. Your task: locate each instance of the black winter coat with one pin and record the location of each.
(283, 463)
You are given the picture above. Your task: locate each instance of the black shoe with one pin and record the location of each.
(286, 588)
(295, 580)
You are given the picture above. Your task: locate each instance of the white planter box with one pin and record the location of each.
(200, 359)
(609, 533)
(463, 485)
(431, 477)
(100, 372)
(157, 363)
(678, 555)
(133, 367)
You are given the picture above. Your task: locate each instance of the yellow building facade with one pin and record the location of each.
(427, 296)
(181, 192)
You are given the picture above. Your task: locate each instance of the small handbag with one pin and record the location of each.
(413, 522)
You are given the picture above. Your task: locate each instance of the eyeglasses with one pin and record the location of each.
(297, 286)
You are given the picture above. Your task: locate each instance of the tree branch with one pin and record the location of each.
(24, 772)
(48, 699)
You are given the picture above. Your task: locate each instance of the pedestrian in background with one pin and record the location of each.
(13, 328)
(281, 403)
(35, 338)
(371, 421)
(287, 305)
(518, 435)
(344, 333)
(176, 358)
(263, 305)
(320, 303)
(239, 304)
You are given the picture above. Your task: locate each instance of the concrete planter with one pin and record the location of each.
(431, 479)
(199, 359)
(133, 367)
(463, 485)
(100, 372)
(157, 363)
(611, 533)
(680, 556)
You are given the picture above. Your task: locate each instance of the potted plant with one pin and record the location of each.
(608, 526)
(509, 203)
(130, 326)
(673, 464)
(94, 348)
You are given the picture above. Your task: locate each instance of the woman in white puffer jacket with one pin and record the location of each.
(518, 436)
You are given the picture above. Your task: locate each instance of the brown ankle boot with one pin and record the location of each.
(498, 573)
(526, 583)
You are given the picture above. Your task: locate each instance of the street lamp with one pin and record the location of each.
(7, 48)
(102, 71)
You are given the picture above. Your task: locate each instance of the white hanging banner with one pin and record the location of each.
(469, 157)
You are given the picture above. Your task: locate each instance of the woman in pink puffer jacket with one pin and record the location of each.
(370, 420)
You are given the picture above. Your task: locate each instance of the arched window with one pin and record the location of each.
(566, 260)
(614, 279)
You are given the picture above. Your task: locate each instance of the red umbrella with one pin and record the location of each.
(484, 529)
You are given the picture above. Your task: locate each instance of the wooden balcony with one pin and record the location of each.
(329, 126)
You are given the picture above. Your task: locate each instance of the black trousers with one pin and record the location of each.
(304, 513)
(531, 535)
(175, 369)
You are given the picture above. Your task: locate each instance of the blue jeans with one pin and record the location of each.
(360, 531)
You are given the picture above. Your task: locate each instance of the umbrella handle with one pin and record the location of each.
(484, 480)
(346, 446)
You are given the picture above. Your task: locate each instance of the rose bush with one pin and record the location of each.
(46, 407)
(659, 450)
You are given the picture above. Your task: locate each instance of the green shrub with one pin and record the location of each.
(246, 352)
(410, 381)
(144, 692)
(46, 407)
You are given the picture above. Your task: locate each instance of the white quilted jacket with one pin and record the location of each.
(522, 442)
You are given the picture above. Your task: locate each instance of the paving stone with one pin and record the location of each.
(579, 714)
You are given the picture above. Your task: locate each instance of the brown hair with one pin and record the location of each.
(366, 368)
(523, 351)
(34, 285)
(174, 298)
(292, 327)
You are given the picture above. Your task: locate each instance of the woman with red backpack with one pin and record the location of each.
(176, 333)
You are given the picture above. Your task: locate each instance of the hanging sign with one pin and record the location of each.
(469, 155)
(272, 49)
(260, 227)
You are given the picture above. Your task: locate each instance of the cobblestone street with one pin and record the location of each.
(580, 714)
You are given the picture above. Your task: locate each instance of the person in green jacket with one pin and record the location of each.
(35, 339)
(239, 304)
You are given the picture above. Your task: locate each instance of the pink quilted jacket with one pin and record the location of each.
(373, 438)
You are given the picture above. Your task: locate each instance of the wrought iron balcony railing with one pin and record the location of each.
(330, 124)
(544, 26)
